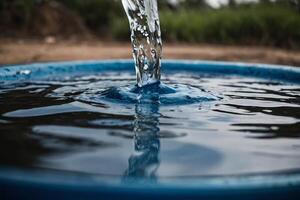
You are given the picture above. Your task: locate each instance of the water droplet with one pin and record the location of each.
(24, 72)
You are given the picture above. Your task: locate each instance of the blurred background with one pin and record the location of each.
(265, 31)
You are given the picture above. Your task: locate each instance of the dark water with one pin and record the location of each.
(252, 127)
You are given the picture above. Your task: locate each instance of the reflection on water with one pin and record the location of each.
(145, 160)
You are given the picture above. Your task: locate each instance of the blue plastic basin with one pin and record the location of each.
(29, 184)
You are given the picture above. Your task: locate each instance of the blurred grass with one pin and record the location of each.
(270, 25)
(97, 14)
(16, 13)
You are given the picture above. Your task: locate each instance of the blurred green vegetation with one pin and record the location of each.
(97, 14)
(271, 25)
(266, 23)
(258, 25)
(16, 13)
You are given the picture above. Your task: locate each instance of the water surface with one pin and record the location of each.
(70, 125)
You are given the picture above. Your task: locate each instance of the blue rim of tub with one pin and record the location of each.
(42, 70)
(17, 183)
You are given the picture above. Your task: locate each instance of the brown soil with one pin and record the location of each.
(14, 52)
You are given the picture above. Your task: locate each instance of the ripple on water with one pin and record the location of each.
(102, 125)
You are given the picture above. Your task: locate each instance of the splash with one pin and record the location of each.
(146, 39)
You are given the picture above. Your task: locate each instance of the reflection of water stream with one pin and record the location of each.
(145, 161)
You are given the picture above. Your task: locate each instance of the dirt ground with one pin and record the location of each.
(28, 51)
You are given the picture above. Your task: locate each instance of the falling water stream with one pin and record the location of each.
(145, 38)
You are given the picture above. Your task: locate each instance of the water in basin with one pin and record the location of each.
(245, 125)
